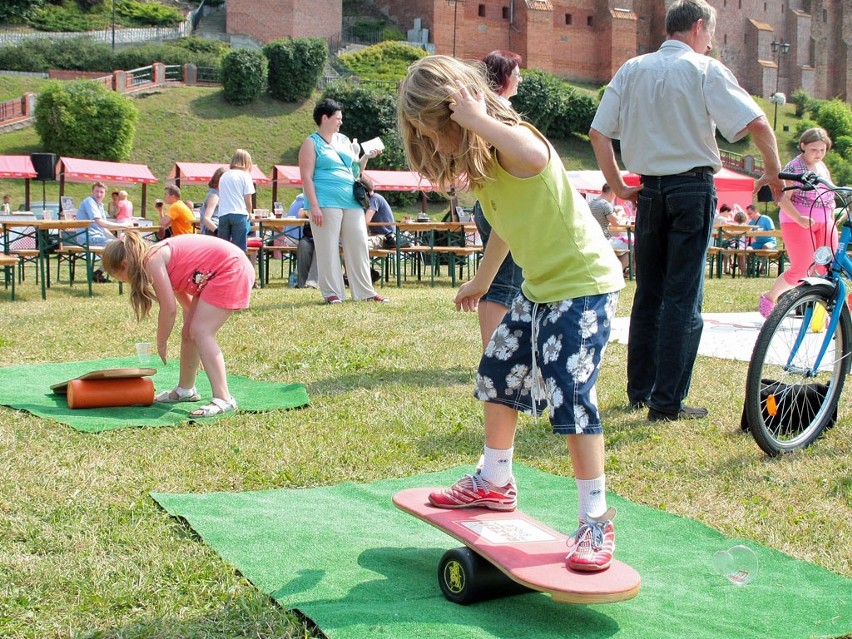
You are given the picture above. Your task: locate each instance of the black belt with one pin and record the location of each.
(698, 171)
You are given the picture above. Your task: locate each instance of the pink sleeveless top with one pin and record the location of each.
(213, 268)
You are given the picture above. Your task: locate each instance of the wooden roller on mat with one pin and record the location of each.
(101, 393)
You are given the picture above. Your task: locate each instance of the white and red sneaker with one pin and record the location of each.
(593, 544)
(474, 491)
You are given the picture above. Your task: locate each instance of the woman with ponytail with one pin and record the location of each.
(209, 278)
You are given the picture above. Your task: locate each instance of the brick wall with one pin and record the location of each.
(268, 20)
(820, 32)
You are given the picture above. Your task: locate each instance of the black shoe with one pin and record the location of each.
(685, 412)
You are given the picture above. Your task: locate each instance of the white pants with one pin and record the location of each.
(347, 227)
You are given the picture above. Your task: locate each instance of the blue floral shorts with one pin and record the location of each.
(548, 356)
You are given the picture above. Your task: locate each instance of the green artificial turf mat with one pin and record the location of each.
(28, 388)
(345, 557)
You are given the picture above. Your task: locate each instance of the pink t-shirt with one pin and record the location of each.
(817, 204)
(125, 210)
(213, 268)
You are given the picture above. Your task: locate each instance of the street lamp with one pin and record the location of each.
(779, 48)
(113, 25)
(455, 19)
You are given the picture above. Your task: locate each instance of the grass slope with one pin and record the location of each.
(194, 124)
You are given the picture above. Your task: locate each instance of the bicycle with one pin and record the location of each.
(803, 352)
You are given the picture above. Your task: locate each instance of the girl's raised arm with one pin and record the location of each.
(520, 151)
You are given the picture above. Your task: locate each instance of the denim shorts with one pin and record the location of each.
(550, 353)
(507, 282)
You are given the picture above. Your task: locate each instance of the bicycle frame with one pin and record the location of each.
(841, 266)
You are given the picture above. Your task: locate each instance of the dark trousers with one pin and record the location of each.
(234, 228)
(674, 219)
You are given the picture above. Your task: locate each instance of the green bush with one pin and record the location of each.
(19, 57)
(202, 45)
(392, 34)
(81, 54)
(84, 54)
(18, 11)
(243, 75)
(388, 61)
(167, 53)
(295, 66)
(803, 125)
(539, 99)
(835, 116)
(554, 107)
(577, 110)
(148, 14)
(801, 99)
(57, 18)
(85, 119)
(840, 169)
(843, 146)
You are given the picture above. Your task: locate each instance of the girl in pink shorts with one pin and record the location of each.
(807, 217)
(209, 278)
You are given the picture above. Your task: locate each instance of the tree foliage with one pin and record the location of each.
(388, 61)
(243, 75)
(552, 106)
(85, 119)
(18, 11)
(295, 66)
(835, 116)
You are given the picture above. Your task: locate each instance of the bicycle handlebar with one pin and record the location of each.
(809, 179)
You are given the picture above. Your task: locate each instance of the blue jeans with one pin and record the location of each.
(507, 282)
(234, 228)
(674, 220)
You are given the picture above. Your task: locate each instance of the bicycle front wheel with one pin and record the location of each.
(790, 400)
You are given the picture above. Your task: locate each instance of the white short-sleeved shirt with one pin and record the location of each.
(234, 185)
(665, 107)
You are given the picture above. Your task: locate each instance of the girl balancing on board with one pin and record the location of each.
(209, 278)
(548, 348)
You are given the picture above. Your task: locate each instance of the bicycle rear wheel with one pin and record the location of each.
(788, 404)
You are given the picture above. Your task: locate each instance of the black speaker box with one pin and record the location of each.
(44, 165)
(765, 194)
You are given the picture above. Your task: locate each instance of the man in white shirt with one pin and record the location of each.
(665, 107)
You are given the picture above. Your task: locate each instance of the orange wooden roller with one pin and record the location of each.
(101, 393)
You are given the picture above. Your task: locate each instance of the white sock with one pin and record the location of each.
(592, 494)
(497, 466)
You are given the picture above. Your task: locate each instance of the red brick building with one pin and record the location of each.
(268, 20)
(587, 40)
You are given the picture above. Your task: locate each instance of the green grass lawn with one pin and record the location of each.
(84, 552)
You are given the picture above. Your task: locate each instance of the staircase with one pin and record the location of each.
(212, 24)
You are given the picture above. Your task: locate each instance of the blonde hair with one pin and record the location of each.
(241, 160)
(129, 254)
(424, 98)
(815, 134)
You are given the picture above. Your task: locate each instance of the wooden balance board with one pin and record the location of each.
(510, 552)
(109, 387)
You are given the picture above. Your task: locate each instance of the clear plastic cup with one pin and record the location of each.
(737, 564)
(146, 354)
